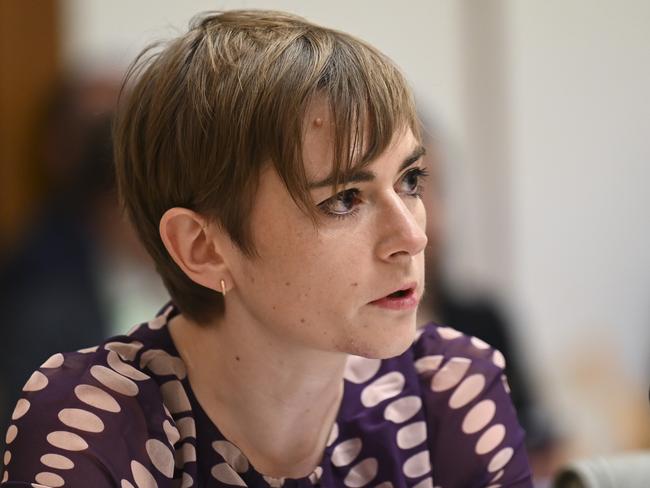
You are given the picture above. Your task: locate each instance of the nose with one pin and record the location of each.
(401, 234)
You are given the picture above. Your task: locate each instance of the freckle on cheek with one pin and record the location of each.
(354, 284)
(302, 321)
(287, 283)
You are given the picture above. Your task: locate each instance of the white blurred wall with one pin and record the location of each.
(580, 76)
(546, 120)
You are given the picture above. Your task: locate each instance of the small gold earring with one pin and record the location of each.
(223, 288)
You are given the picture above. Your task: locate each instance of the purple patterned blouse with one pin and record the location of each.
(123, 415)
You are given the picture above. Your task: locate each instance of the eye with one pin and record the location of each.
(411, 183)
(341, 205)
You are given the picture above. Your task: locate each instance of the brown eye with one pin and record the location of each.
(411, 181)
(342, 204)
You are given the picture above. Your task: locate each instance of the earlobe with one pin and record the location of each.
(188, 241)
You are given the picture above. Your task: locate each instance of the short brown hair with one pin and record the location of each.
(200, 116)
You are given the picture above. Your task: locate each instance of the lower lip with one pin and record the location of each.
(406, 302)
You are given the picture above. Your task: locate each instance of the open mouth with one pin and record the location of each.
(404, 299)
(400, 293)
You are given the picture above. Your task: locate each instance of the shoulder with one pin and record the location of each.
(96, 416)
(439, 349)
(469, 412)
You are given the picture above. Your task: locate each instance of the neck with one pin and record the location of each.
(274, 399)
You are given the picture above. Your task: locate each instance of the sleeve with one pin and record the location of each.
(81, 423)
(476, 439)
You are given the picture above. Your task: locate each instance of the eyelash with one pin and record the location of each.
(419, 173)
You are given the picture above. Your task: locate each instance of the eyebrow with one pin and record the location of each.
(366, 175)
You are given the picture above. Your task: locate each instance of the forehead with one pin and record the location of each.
(318, 142)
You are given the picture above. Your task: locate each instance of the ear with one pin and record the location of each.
(187, 237)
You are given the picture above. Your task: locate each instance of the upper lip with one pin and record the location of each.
(407, 286)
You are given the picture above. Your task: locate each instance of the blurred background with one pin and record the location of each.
(537, 121)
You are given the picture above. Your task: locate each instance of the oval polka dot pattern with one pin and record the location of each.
(448, 333)
(186, 454)
(504, 381)
(22, 406)
(379, 437)
(114, 381)
(425, 483)
(160, 456)
(56, 461)
(124, 369)
(88, 350)
(362, 473)
(96, 397)
(68, 441)
(383, 388)
(142, 476)
(490, 439)
(81, 420)
(49, 479)
(232, 455)
(498, 476)
(500, 459)
(450, 374)
(316, 475)
(274, 482)
(186, 481)
(428, 363)
(127, 351)
(162, 363)
(479, 343)
(334, 433)
(468, 390)
(36, 382)
(223, 472)
(175, 397)
(403, 409)
(54, 361)
(157, 323)
(498, 359)
(359, 369)
(12, 432)
(346, 452)
(186, 427)
(417, 465)
(412, 435)
(171, 432)
(479, 416)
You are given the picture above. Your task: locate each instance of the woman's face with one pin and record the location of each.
(318, 286)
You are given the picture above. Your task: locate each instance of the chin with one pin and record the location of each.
(387, 342)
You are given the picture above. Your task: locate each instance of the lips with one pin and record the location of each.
(403, 298)
(401, 291)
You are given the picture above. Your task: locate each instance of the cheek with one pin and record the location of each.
(308, 272)
(420, 214)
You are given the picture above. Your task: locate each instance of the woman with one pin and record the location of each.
(273, 169)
